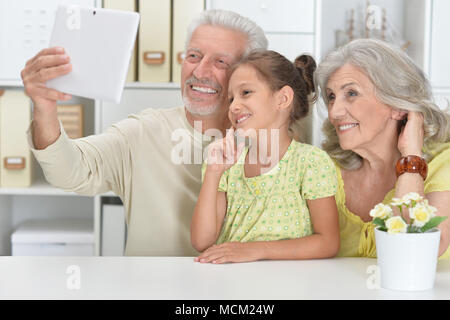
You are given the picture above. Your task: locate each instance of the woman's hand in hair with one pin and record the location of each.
(410, 140)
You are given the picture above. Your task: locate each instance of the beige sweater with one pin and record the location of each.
(134, 159)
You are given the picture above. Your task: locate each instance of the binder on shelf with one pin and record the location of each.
(183, 12)
(113, 230)
(15, 154)
(71, 117)
(125, 5)
(154, 41)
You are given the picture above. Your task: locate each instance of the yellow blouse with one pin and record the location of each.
(357, 236)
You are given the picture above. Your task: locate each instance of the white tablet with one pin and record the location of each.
(99, 43)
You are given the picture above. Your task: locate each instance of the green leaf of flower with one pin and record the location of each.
(434, 222)
(380, 223)
(413, 229)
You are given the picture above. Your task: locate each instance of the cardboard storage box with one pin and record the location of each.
(15, 154)
(56, 237)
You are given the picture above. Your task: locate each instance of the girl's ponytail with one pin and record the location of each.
(306, 65)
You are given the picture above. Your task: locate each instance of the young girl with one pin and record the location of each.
(280, 205)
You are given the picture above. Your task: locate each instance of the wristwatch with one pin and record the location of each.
(412, 164)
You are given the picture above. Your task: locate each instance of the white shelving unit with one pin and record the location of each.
(40, 200)
(290, 31)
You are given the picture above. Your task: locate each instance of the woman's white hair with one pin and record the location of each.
(398, 83)
(256, 39)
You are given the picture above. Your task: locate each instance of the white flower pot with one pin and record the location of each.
(407, 261)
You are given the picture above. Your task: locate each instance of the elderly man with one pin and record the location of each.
(135, 158)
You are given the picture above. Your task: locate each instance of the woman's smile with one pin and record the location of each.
(346, 126)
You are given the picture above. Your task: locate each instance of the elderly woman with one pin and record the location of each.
(380, 113)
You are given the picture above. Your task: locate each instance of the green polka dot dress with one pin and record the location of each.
(272, 206)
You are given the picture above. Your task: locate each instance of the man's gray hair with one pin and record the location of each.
(398, 82)
(256, 39)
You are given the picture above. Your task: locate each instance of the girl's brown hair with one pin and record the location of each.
(278, 72)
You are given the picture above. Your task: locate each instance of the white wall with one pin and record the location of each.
(417, 30)
(334, 13)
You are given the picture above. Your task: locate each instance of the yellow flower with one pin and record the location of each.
(396, 225)
(412, 196)
(422, 213)
(381, 211)
(397, 202)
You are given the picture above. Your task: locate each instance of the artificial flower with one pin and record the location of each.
(421, 214)
(396, 225)
(398, 202)
(381, 211)
(411, 196)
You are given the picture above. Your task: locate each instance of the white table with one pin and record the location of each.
(180, 278)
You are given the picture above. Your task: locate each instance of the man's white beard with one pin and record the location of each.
(200, 111)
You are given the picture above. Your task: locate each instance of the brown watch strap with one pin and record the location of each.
(412, 164)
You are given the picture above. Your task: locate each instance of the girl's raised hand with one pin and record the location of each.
(222, 153)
